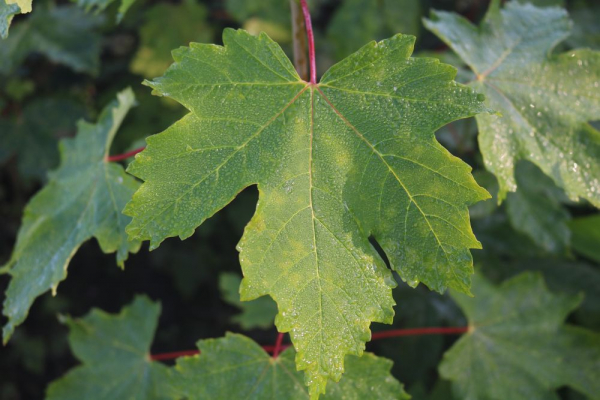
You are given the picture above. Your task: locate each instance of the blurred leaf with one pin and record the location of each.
(156, 43)
(100, 5)
(83, 199)
(235, 367)
(63, 34)
(566, 276)
(7, 12)
(518, 346)
(586, 236)
(535, 210)
(114, 352)
(586, 29)
(485, 208)
(545, 100)
(359, 21)
(259, 313)
(34, 135)
(17, 89)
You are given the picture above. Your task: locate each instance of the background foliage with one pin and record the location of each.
(61, 63)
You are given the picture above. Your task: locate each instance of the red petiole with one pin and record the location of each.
(278, 347)
(311, 42)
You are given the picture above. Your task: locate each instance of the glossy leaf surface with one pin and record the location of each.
(545, 99)
(336, 162)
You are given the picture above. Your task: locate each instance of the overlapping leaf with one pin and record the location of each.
(518, 346)
(336, 162)
(358, 21)
(545, 100)
(154, 54)
(34, 134)
(83, 199)
(100, 5)
(586, 236)
(535, 209)
(115, 354)
(63, 34)
(259, 313)
(236, 367)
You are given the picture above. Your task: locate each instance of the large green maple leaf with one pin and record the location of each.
(335, 163)
(115, 355)
(83, 199)
(235, 367)
(545, 100)
(518, 346)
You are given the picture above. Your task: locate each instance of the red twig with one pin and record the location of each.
(311, 42)
(275, 350)
(124, 156)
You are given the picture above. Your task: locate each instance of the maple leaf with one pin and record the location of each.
(545, 100)
(66, 35)
(518, 346)
(83, 199)
(236, 367)
(114, 351)
(33, 134)
(336, 162)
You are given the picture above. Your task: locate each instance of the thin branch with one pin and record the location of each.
(299, 40)
(275, 350)
(311, 42)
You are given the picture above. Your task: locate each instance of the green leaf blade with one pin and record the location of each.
(307, 245)
(236, 358)
(83, 199)
(544, 110)
(518, 346)
(114, 352)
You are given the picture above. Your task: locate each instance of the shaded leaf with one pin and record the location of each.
(83, 199)
(358, 21)
(259, 313)
(63, 34)
(236, 367)
(114, 351)
(535, 210)
(99, 6)
(34, 135)
(154, 54)
(586, 236)
(545, 100)
(518, 346)
(336, 162)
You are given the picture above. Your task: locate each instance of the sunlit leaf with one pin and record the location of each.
(352, 157)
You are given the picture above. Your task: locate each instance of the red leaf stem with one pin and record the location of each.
(278, 347)
(124, 156)
(311, 42)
